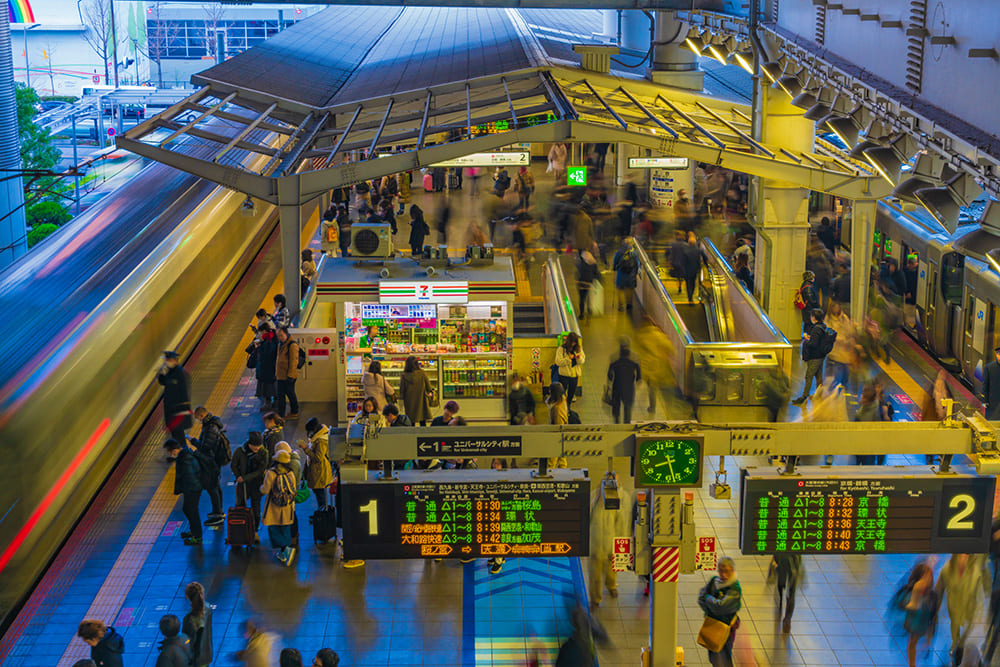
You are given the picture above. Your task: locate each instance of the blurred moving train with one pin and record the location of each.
(91, 311)
(958, 282)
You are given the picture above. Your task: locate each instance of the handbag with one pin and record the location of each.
(554, 372)
(302, 494)
(252, 357)
(606, 396)
(714, 634)
(432, 399)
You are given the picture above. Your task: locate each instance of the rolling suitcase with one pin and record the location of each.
(324, 523)
(239, 527)
(428, 183)
(453, 180)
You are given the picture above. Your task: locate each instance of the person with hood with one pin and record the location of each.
(279, 508)
(266, 347)
(198, 625)
(623, 374)
(106, 645)
(570, 359)
(250, 462)
(414, 391)
(605, 526)
(261, 646)
(174, 649)
(187, 482)
(176, 384)
(419, 229)
(520, 401)
(965, 586)
(626, 266)
(319, 474)
(721, 599)
(587, 273)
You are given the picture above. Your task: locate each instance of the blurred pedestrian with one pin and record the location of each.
(273, 431)
(827, 235)
(933, 408)
(623, 374)
(655, 350)
(991, 387)
(326, 657)
(344, 229)
(287, 372)
(917, 603)
(605, 525)
(261, 646)
(266, 346)
(419, 230)
(376, 386)
(520, 402)
(307, 270)
(965, 586)
(787, 574)
(106, 645)
(814, 351)
(290, 657)
(743, 272)
(188, 483)
(845, 347)
(626, 266)
(721, 599)
(414, 391)
(569, 361)
(175, 651)
(587, 273)
(806, 298)
(691, 264)
(557, 162)
(176, 384)
(198, 625)
(524, 185)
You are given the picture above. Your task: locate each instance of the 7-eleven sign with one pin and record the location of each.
(400, 291)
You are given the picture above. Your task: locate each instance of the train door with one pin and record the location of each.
(974, 334)
(952, 279)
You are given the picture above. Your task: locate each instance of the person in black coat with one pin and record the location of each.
(691, 264)
(249, 464)
(827, 235)
(991, 387)
(267, 359)
(176, 396)
(175, 650)
(520, 402)
(812, 353)
(187, 482)
(810, 296)
(106, 645)
(623, 374)
(419, 229)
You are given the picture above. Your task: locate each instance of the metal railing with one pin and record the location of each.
(560, 315)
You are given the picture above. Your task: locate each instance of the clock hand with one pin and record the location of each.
(670, 461)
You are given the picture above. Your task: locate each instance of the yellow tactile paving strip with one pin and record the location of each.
(111, 596)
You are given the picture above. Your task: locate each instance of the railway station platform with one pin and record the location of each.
(125, 563)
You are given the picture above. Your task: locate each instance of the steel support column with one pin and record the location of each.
(671, 64)
(663, 598)
(862, 230)
(290, 216)
(13, 229)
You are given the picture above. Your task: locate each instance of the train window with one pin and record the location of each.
(970, 315)
(952, 278)
(992, 335)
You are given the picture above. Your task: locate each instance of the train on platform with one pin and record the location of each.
(90, 312)
(957, 310)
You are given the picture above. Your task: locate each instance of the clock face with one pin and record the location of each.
(668, 462)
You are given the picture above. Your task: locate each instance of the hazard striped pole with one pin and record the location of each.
(664, 573)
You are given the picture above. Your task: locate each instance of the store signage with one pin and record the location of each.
(658, 163)
(467, 514)
(399, 291)
(499, 159)
(872, 510)
(576, 176)
(465, 447)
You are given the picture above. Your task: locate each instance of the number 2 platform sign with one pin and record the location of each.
(870, 510)
(467, 514)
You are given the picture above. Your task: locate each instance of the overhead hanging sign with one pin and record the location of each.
(402, 291)
(658, 163)
(872, 510)
(467, 514)
(499, 159)
(465, 447)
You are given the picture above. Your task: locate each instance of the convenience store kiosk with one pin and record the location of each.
(456, 322)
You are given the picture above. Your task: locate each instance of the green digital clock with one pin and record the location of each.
(667, 462)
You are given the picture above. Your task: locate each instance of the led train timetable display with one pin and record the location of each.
(871, 510)
(468, 514)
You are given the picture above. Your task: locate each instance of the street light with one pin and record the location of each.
(27, 68)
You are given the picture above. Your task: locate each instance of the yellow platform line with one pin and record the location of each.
(523, 287)
(903, 380)
(109, 599)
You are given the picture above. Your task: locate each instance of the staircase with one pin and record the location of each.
(529, 318)
(916, 33)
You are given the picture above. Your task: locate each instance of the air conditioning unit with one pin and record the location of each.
(371, 240)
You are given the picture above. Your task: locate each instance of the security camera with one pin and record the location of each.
(248, 209)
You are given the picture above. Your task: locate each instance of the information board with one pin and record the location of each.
(869, 510)
(658, 163)
(467, 514)
(465, 447)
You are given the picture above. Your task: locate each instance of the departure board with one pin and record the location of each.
(467, 514)
(866, 510)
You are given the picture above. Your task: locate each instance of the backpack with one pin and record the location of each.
(503, 181)
(829, 338)
(800, 301)
(283, 491)
(208, 470)
(392, 187)
(361, 188)
(224, 449)
(302, 358)
(628, 264)
(572, 417)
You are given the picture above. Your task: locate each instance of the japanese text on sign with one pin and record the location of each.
(622, 558)
(465, 514)
(500, 446)
(872, 511)
(707, 557)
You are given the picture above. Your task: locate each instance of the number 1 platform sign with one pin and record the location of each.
(467, 514)
(867, 510)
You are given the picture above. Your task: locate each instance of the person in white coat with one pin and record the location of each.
(605, 526)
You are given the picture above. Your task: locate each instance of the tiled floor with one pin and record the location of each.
(420, 612)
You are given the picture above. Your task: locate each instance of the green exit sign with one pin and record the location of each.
(577, 175)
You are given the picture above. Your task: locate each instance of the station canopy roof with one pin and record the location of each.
(312, 108)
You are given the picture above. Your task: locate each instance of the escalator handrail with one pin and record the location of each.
(647, 266)
(714, 254)
(555, 288)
